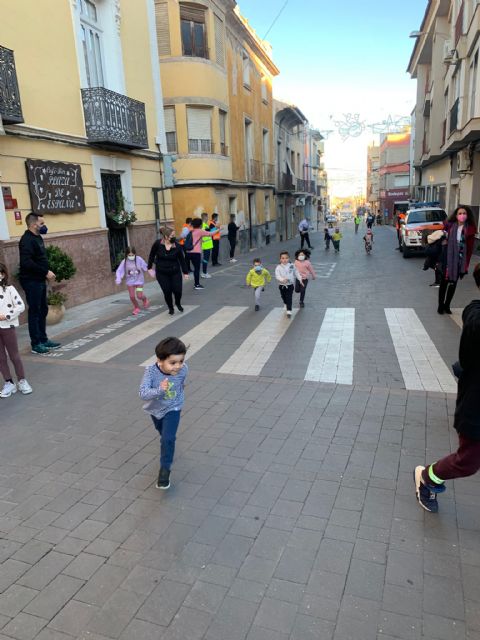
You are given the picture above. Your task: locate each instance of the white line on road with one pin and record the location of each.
(332, 357)
(421, 364)
(200, 335)
(252, 355)
(113, 347)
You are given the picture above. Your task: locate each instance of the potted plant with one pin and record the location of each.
(63, 267)
(121, 216)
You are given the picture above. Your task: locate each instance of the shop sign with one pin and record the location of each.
(55, 187)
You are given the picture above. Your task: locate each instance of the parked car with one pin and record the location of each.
(419, 223)
(332, 219)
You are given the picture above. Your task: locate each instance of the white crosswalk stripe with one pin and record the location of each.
(457, 317)
(113, 347)
(207, 330)
(421, 365)
(253, 354)
(332, 357)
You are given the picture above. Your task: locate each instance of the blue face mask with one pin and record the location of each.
(43, 229)
(259, 268)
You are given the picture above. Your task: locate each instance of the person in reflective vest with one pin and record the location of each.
(207, 246)
(214, 224)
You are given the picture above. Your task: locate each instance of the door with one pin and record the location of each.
(251, 218)
(117, 234)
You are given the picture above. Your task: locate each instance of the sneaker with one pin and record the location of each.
(284, 307)
(146, 303)
(289, 314)
(49, 344)
(136, 311)
(217, 264)
(180, 308)
(257, 308)
(9, 388)
(302, 304)
(40, 349)
(199, 286)
(171, 311)
(163, 481)
(24, 387)
(232, 260)
(426, 494)
(205, 275)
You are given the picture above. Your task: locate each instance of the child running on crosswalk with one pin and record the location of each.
(285, 273)
(257, 278)
(162, 387)
(305, 271)
(132, 268)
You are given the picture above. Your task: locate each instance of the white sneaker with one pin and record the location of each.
(205, 275)
(232, 260)
(24, 387)
(8, 389)
(289, 313)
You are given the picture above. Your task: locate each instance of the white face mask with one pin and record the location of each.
(301, 258)
(1, 277)
(131, 257)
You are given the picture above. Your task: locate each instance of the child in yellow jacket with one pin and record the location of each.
(257, 277)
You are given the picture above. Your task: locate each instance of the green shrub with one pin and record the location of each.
(60, 263)
(56, 298)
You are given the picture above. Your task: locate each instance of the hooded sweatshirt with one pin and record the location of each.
(285, 272)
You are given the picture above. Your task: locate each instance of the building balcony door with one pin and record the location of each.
(117, 234)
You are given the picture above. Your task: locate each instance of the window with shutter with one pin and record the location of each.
(264, 90)
(246, 69)
(199, 122)
(223, 133)
(219, 42)
(170, 129)
(193, 31)
(163, 30)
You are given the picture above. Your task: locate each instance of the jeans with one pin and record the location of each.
(233, 244)
(303, 289)
(287, 295)
(446, 293)
(336, 245)
(195, 259)
(464, 462)
(171, 286)
(304, 237)
(328, 239)
(167, 428)
(36, 295)
(205, 259)
(215, 252)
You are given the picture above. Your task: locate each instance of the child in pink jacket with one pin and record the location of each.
(304, 269)
(132, 268)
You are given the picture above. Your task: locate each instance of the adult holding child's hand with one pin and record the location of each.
(169, 260)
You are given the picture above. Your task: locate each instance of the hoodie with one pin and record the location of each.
(286, 272)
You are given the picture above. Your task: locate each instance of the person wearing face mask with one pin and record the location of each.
(169, 260)
(33, 276)
(304, 271)
(257, 278)
(456, 254)
(132, 267)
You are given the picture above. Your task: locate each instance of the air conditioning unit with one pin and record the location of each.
(448, 51)
(464, 160)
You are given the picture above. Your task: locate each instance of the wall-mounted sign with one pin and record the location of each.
(55, 187)
(18, 217)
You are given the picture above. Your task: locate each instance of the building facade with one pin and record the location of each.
(217, 85)
(82, 113)
(444, 63)
(394, 171)
(373, 177)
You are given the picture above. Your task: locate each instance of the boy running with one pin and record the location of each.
(257, 277)
(285, 275)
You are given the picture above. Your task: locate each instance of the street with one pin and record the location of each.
(292, 512)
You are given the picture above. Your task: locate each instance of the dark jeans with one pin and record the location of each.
(336, 244)
(303, 289)
(167, 429)
(233, 244)
(304, 237)
(187, 259)
(287, 295)
(171, 285)
(205, 259)
(36, 295)
(328, 239)
(446, 293)
(215, 252)
(195, 259)
(464, 462)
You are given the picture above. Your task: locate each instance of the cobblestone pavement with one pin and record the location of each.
(291, 514)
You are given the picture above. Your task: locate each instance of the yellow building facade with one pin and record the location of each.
(217, 87)
(81, 132)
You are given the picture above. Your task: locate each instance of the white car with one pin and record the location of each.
(419, 222)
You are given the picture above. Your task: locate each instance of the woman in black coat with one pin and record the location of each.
(169, 261)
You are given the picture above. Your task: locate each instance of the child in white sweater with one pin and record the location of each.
(285, 275)
(11, 306)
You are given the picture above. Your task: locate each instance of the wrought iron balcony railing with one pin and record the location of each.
(286, 182)
(255, 170)
(311, 186)
(10, 105)
(301, 185)
(114, 119)
(268, 173)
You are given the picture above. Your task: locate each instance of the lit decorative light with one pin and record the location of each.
(352, 126)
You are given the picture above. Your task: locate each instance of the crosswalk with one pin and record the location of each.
(238, 341)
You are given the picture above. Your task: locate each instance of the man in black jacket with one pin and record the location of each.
(34, 273)
(430, 480)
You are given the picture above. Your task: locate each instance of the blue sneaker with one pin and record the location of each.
(426, 493)
(49, 344)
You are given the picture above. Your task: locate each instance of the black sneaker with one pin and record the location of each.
(171, 311)
(426, 494)
(163, 481)
(49, 344)
(257, 308)
(180, 308)
(198, 287)
(302, 304)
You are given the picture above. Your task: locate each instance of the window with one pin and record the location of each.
(266, 146)
(232, 205)
(162, 27)
(91, 36)
(267, 208)
(223, 132)
(219, 41)
(264, 90)
(194, 35)
(170, 129)
(199, 122)
(248, 140)
(473, 85)
(432, 215)
(401, 181)
(246, 69)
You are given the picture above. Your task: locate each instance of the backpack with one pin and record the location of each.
(188, 242)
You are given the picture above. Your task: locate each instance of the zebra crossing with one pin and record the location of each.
(250, 342)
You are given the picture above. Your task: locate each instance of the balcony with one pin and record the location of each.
(286, 182)
(255, 170)
(444, 132)
(459, 23)
(114, 119)
(10, 105)
(311, 186)
(454, 116)
(319, 192)
(268, 173)
(223, 149)
(301, 185)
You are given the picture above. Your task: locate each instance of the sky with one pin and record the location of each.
(339, 58)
